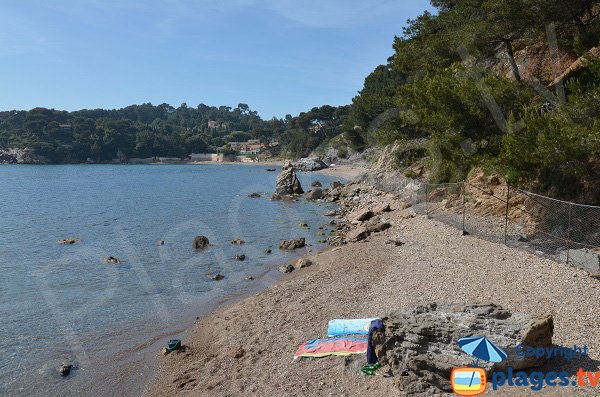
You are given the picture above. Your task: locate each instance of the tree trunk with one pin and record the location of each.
(511, 60)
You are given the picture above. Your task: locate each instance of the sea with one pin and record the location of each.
(62, 304)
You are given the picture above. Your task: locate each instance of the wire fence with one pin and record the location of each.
(564, 231)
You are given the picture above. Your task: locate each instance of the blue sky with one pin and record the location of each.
(278, 56)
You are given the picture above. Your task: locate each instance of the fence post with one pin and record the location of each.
(506, 214)
(464, 205)
(569, 233)
(427, 200)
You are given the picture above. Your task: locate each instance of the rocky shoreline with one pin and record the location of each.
(385, 260)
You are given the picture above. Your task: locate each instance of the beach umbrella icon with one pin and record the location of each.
(482, 349)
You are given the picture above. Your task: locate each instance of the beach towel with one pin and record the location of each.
(332, 347)
(349, 327)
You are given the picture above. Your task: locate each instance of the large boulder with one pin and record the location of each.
(360, 215)
(292, 244)
(419, 347)
(287, 182)
(357, 234)
(310, 164)
(200, 242)
(315, 194)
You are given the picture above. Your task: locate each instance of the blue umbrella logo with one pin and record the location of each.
(482, 349)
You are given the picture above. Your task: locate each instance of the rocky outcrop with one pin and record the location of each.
(420, 349)
(21, 156)
(200, 242)
(287, 183)
(292, 244)
(309, 164)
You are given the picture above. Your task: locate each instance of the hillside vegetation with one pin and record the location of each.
(511, 87)
(480, 84)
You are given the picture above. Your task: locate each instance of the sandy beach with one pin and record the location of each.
(247, 348)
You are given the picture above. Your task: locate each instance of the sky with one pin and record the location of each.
(278, 56)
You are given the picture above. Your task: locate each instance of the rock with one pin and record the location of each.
(303, 225)
(65, 369)
(238, 352)
(309, 164)
(357, 234)
(302, 263)
(200, 242)
(254, 195)
(161, 242)
(336, 184)
(215, 277)
(287, 182)
(276, 197)
(404, 205)
(164, 351)
(69, 241)
(292, 244)
(268, 251)
(396, 243)
(582, 258)
(240, 257)
(238, 241)
(316, 184)
(315, 194)
(360, 215)
(330, 213)
(381, 208)
(250, 278)
(271, 169)
(286, 268)
(419, 347)
(111, 260)
(377, 225)
(408, 213)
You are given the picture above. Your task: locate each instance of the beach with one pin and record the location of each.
(247, 347)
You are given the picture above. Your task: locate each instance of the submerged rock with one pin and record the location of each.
(200, 242)
(69, 241)
(254, 195)
(287, 183)
(240, 257)
(215, 277)
(316, 184)
(292, 244)
(111, 260)
(420, 349)
(238, 241)
(65, 369)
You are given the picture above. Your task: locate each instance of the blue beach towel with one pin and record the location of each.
(349, 327)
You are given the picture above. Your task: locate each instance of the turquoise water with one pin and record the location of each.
(64, 304)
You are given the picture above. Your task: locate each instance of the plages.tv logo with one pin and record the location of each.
(471, 381)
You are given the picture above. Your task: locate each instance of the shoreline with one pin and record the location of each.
(246, 347)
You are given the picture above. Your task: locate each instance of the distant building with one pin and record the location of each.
(216, 125)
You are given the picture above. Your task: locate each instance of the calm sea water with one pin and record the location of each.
(64, 304)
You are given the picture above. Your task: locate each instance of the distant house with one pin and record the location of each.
(216, 125)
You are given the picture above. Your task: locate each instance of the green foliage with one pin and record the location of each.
(149, 131)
